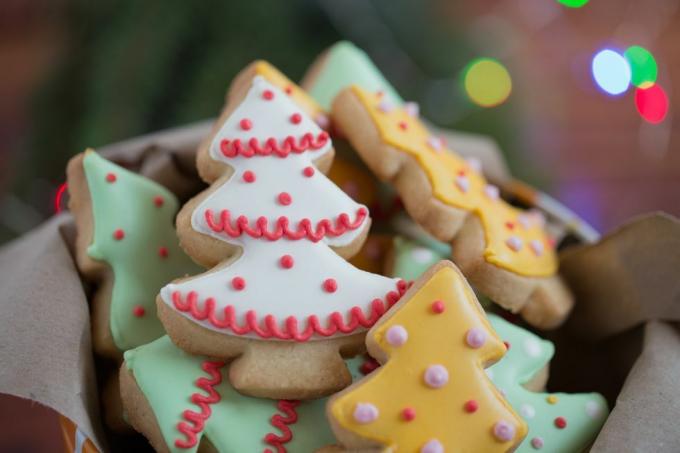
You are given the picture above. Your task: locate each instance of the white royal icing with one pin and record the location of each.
(270, 289)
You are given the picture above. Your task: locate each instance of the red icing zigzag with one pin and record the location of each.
(281, 423)
(195, 421)
(271, 146)
(324, 227)
(336, 320)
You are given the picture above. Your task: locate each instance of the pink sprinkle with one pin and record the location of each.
(491, 192)
(246, 124)
(432, 446)
(503, 431)
(285, 199)
(463, 183)
(474, 163)
(396, 335)
(438, 307)
(365, 413)
(537, 443)
(475, 337)
(435, 143)
(412, 109)
(514, 243)
(536, 247)
(436, 376)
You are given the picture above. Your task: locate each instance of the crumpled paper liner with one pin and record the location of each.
(45, 347)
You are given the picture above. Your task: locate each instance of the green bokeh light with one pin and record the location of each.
(642, 66)
(573, 3)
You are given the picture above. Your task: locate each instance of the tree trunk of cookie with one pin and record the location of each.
(286, 370)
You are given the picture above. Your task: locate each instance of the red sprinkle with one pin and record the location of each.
(268, 95)
(246, 124)
(138, 311)
(330, 285)
(408, 414)
(119, 234)
(238, 283)
(510, 225)
(561, 422)
(471, 406)
(111, 177)
(295, 118)
(285, 198)
(289, 90)
(158, 201)
(507, 345)
(403, 125)
(438, 306)
(248, 176)
(163, 252)
(286, 261)
(308, 172)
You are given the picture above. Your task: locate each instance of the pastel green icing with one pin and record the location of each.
(139, 271)
(238, 423)
(585, 413)
(347, 65)
(411, 259)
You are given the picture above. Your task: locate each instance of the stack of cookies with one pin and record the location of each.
(318, 295)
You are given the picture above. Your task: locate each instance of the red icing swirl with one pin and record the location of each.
(281, 423)
(307, 142)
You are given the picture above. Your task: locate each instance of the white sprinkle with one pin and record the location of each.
(422, 255)
(536, 246)
(527, 411)
(492, 192)
(463, 183)
(412, 109)
(474, 163)
(514, 243)
(532, 347)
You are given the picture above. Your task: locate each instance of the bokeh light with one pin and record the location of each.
(652, 103)
(487, 82)
(642, 66)
(573, 3)
(611, 71)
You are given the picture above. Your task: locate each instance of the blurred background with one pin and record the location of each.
(579, 94)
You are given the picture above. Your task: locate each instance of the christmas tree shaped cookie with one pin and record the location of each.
(558, 422)
(180, 402)
(281, 299)
(431, 393)
(505, 252)
(126, 243)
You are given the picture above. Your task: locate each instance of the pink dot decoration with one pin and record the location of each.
(158, 201)
(295, 118)
(246, 124)
(308, 172)
(475, 337)
(365, 413)
(330, 285)
(138, 311)
(503, 431)
(286, 261)
(396, 335)
(537, 443)
(436, 376)
(285, 199)
(110, 177)
(248, 176)
(238, 283)
(471, 406)
(268, 95)
(163, 252)
(432, 446)
(119, 234)
(408, 414)
(438, 307)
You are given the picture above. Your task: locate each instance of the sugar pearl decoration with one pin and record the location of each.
(412, 109)
(527, 411)
(536, 247)
(532, 347)
(475, 337)
(432, 446)
(503, 431)
(514, 243)
(474, 163)
(463, 183)
(436, 376)
(396, 335)
(438, 307)
(365, 413)
(491, 192)
(537, 443)
(435, 143)
(385, 106)
(593, 409)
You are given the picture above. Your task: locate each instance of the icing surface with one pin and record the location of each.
(515, 240)
(432, 377)
(276, 301)
(236, 423)
(580, 415)
(345, 65)
(134, 234)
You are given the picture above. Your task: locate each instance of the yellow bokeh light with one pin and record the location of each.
(487, 82)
